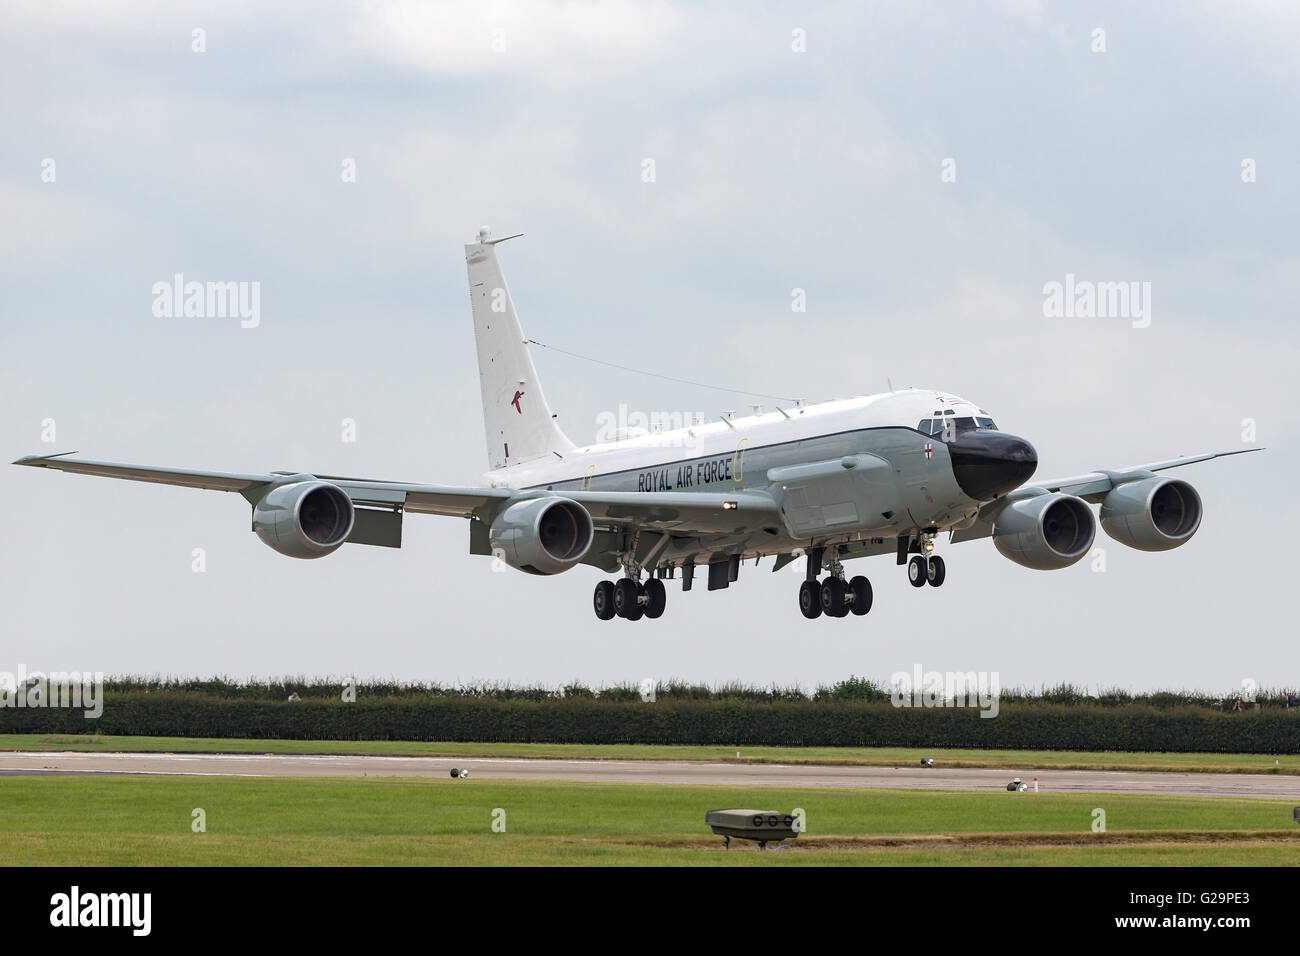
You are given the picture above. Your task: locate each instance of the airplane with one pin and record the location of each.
(821, 483)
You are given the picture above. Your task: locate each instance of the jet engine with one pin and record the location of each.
(1046, 532)
(542, 535)
(1154, 514)
(304, 519)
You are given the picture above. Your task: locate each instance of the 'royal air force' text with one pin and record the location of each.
(688, 476)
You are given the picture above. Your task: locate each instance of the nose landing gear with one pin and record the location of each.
(923, 568)
(922, 571)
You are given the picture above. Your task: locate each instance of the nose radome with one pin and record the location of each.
(988, 464)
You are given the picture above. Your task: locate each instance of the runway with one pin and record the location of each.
(720, 774)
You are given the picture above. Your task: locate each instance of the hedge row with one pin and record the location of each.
(853, 688)
(1017, 726)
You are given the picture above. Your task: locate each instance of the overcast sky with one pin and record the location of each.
(775, 169)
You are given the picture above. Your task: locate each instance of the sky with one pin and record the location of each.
(921, 171)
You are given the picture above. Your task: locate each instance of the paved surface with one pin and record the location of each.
(653, 772)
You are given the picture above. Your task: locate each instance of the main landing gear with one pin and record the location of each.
(630, 599)
(832, 596)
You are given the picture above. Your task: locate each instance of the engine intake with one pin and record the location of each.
(304, 519)
(1045, 532)
(1154, 514)
(542, 535)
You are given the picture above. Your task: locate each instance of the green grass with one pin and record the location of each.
(91, 820)
(861, 756)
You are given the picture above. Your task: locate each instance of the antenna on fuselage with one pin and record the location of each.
(890, 383)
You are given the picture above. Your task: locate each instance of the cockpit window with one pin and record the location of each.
(936, 426)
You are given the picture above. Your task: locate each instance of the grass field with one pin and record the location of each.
(91, 820)
(861, 756)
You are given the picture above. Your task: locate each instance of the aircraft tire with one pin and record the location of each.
(936, 572)
(810, 599)
(916, 571)
(861, 590)
(657, 598)
(833, 597)
(625, 594)
(603, 600)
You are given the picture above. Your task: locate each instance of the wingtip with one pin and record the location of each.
(37, 459)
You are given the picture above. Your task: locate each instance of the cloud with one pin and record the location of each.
(566, 41)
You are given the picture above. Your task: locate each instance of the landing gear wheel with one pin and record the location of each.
(860, 588)
(625, 603)
(656, 598)
(833, 598)
(603, 600)
(810, 599)
(916, 571)
(936, 573)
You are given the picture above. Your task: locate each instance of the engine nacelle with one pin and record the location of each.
(304, 519)
(542, 535)
(1154, 514)
(1045, 532)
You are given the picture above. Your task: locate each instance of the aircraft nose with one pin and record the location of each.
(987, 464)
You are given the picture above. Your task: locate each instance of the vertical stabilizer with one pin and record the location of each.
(517, 418)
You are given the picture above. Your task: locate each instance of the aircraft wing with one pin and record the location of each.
(189, 478)
(1091, 487)
(702, 512)
(417, 498)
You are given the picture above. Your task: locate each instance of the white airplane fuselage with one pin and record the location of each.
(914, 486)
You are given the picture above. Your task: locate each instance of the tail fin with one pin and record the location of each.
(519, 423)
